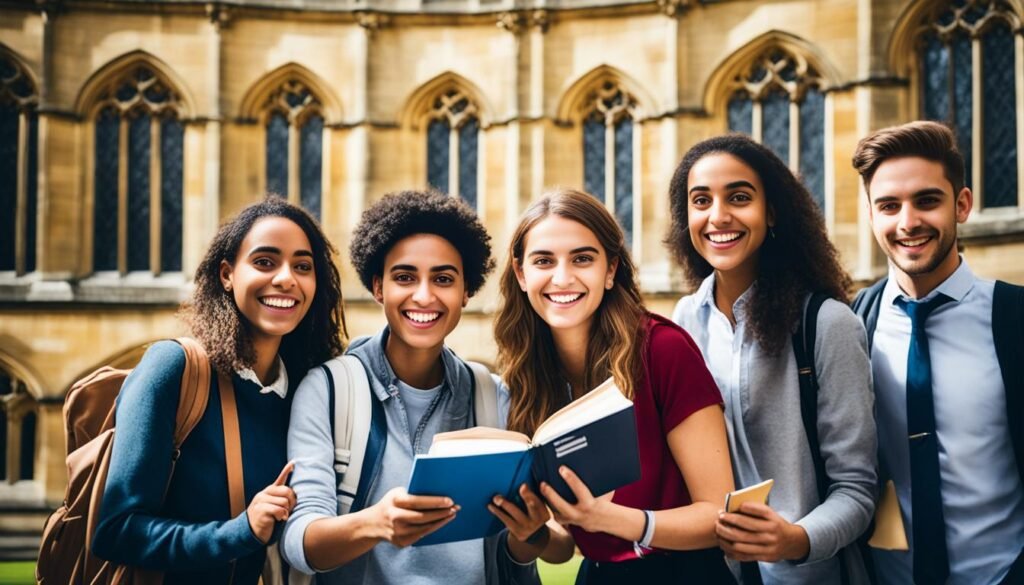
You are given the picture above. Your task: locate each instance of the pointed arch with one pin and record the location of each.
(254, 104)
(23, 373)
(421, 101)
(30, 95)
(98, 86)
(722, 81)
(576, 99)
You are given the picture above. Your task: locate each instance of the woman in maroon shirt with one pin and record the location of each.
(571, 317)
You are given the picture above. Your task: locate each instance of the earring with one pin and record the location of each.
(771, 230)
(227, 288)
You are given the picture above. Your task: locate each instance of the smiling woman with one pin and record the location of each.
(266, 307)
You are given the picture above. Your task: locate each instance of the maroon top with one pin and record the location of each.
(677, 384)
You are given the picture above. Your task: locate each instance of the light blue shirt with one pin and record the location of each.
(981, 490)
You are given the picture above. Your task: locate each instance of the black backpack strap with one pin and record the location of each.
(332, 409)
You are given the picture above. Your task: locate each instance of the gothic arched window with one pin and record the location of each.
(453, 138)
(19, 140)
(294, 138)
(969, 74)
(137, 180)
(18, 428)
(608, 150)
(778, 100)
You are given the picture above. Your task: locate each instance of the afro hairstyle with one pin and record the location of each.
(405, 213)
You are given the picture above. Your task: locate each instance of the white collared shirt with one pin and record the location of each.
(982, 502)
(278, 386)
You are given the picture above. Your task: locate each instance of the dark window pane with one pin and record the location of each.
(8, 183)
(775, 124)
(3, 435)
(32, 196)
(593, 155)
(1000, 118)
(963, 103)
(28, 446)
(277, 155)
(624, 177)
(741, 114)
(138, 192)
(438, 136)
(104, 242)
(812, 145)
(171, 160)
(468, 145)
(311, 164)
(935, 76)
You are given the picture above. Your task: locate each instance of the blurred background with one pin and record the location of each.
(130, 129)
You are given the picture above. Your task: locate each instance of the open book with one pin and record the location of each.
(595, 436)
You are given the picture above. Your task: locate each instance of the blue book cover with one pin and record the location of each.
(594, 436)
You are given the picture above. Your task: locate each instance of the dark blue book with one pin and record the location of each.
(594, 436)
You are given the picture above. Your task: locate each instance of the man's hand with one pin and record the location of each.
(758, 533)
(403, 519)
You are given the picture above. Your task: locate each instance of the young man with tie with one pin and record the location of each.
(947, 353)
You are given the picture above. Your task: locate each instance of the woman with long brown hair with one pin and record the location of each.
(571, 317)
(754, 245)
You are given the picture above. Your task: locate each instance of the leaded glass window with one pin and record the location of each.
(608, 132)
(294, 125)
(779, 101)
(138, 148)
(19, 130)
(453, 145)
(957, 35)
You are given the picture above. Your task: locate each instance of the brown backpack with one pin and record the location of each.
(65, 553)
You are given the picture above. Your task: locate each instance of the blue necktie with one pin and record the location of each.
(931, 560)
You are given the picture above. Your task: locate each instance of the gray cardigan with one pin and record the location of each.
(767, 437)
(311, 446)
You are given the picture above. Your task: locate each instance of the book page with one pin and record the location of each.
(600, 402)
(477, 441)
(755, 493)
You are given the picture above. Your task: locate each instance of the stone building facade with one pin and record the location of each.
(129, 129)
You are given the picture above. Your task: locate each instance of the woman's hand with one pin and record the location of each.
(758, 533)
(588, 513)
(272, 505)
(528, 534)
(402, 519)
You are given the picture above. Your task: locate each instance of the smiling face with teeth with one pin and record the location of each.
(564, 273)
(273, 279)
(727, 214)
(423, 292)
(913, 214)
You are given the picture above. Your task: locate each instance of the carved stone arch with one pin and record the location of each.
(97, 88)
(125, 358)
(24, 373)
(254, 105)
(578, 96)
(912, 23)
(723, 81)
(420, 103)
(29, 97)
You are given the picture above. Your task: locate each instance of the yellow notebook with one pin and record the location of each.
(889, 531)
(755, 493)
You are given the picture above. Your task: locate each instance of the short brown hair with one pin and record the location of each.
(928, 140)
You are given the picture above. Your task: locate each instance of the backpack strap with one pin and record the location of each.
(1008, 336)
(359, 427)
(195, 389)
(485, 396)
(232, 444)
(867, 304)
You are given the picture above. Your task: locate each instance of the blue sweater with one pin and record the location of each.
(192, 536)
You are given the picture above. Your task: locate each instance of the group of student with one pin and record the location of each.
(716, 389)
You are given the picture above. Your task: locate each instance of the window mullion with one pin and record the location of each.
(155, 183)
(756, 121)
(977, 123)
(21, 194)
(122, 194)
(453, 161)
(794, 137)
(609, 165)
(294, 196)
(1018, 46)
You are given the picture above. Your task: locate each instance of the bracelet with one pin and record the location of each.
(537, 536)
(639, 546)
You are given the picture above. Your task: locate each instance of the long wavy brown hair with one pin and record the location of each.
(526, 349)
(219, 325)
(796, 260)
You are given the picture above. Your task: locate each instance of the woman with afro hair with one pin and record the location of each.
(266, 308)
(753, 243)
(422, 255)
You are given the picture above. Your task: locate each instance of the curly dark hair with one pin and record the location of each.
(405, 213)
(219, 325)
(796, 260)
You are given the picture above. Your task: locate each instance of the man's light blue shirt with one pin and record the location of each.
(982, 499)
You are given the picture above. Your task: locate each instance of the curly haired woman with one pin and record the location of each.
(752, 241)
(266, 307)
